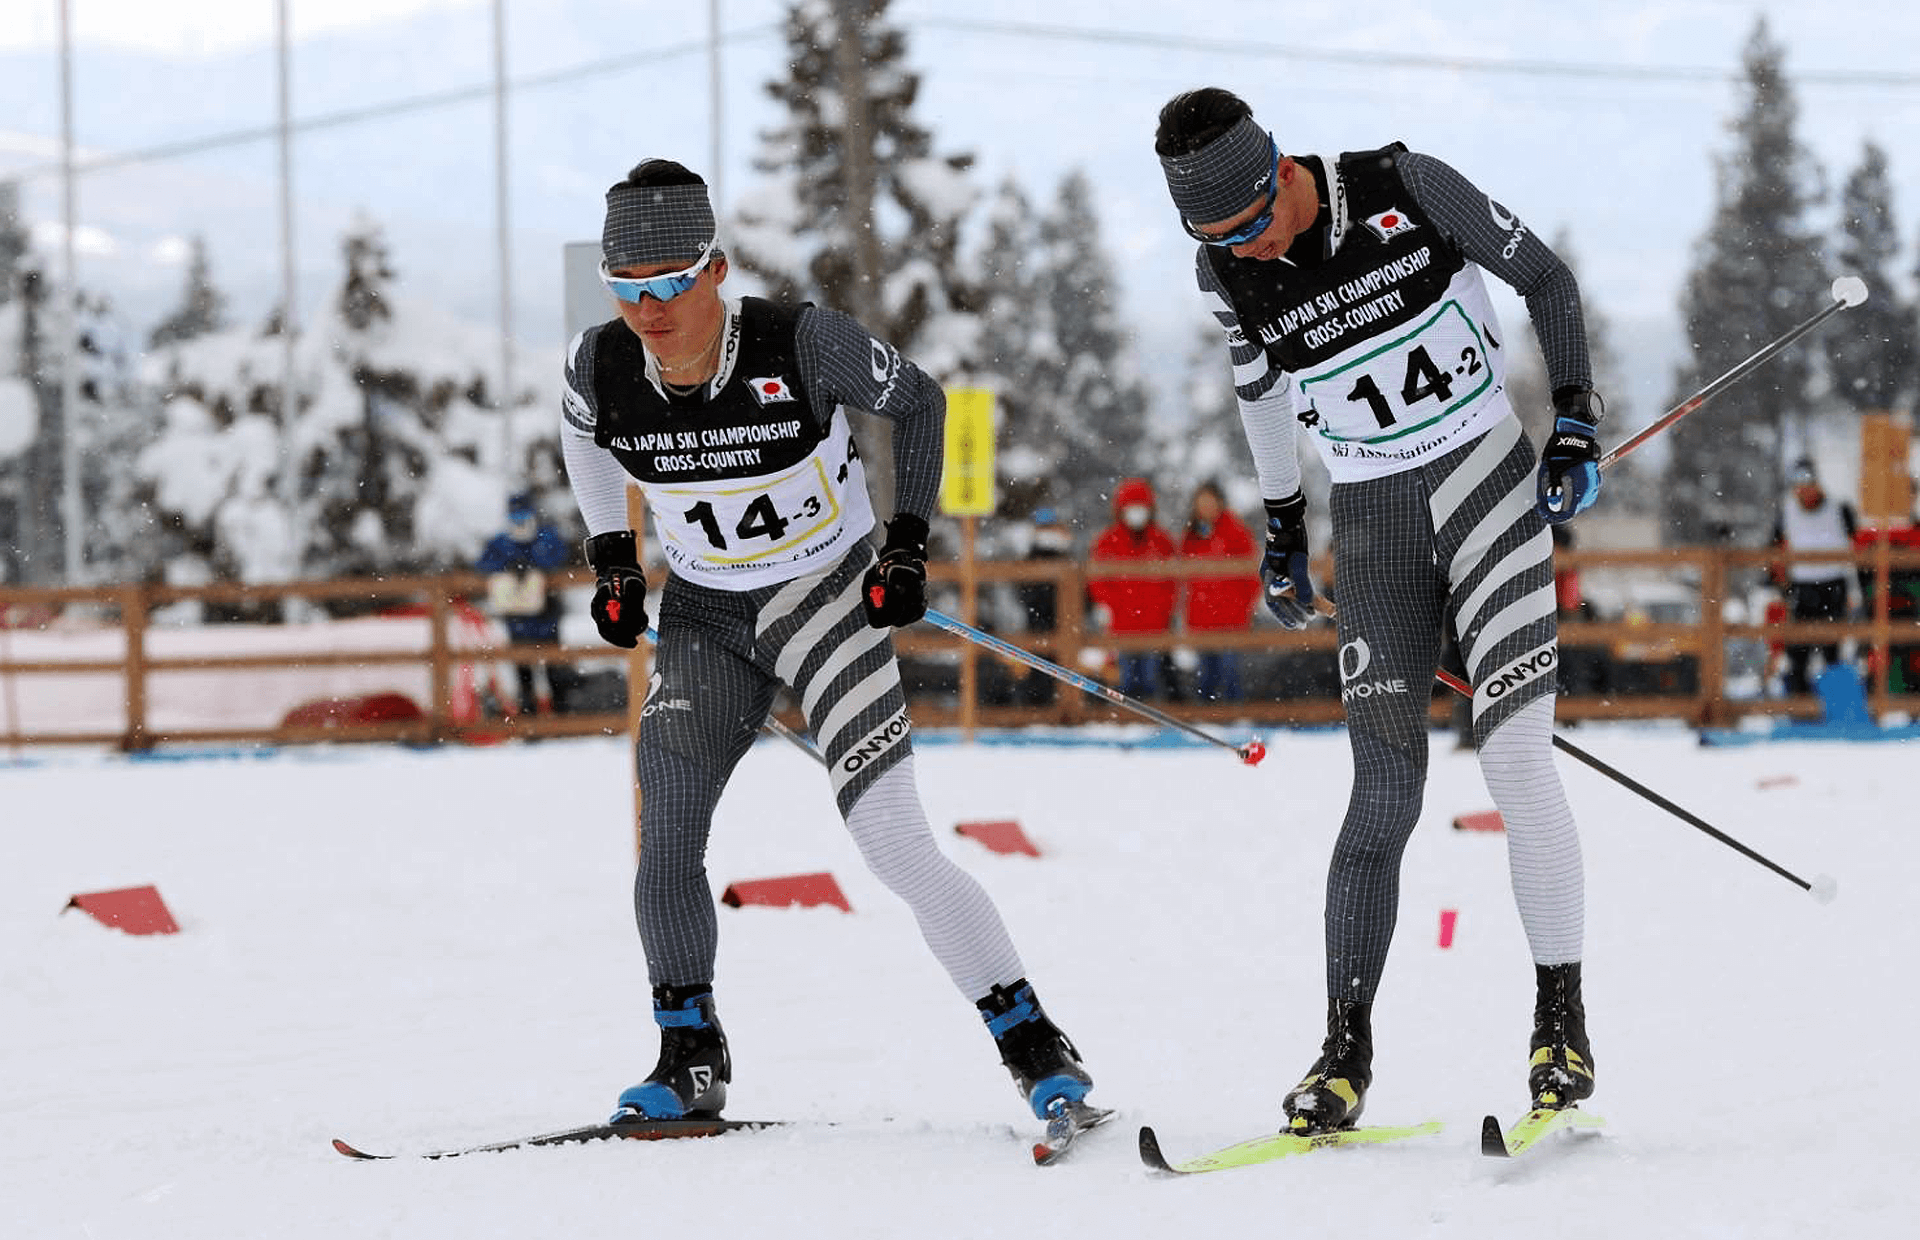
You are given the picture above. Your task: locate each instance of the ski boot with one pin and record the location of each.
(690, 1080)
(1335, 1089)
(1045, 1066)
(1560, 1072)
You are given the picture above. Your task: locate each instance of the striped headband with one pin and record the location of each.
(651, 224)
(1224, 177)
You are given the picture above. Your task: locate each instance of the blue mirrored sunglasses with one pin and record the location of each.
(663, 287)
(1253, 227)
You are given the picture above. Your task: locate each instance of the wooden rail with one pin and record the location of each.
(1670, 667)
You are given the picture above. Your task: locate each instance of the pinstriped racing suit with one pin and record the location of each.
(1374, 337)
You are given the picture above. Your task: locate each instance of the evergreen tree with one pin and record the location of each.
(202, 307)
(1094, 400)
(362, 300)
(857, 213)
(1758, 271)
(1872, 359)
(361, 474)
(1016, 334)
(14, 242)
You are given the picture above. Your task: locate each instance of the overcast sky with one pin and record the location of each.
(1599, 119)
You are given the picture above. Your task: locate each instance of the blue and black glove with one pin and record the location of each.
(894, 591)
(1570, 461)
(619, 604)
(1283, 570)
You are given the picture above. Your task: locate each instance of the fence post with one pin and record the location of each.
(1881, 662)
(1070, 625)
(440, 679)
(1714, 708)
(133, 620)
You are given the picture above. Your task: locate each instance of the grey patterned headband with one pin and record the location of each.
(650, 224)
(1224, 177)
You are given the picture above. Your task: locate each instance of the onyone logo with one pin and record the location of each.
(876, 742)
(655, 703)
(1355, 657)
(1504, 221)
(1525, 669)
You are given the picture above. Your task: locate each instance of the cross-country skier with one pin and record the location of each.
(728, 414)
(1351, 296)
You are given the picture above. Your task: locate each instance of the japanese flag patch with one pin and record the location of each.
(1390, 224)
(770, 391)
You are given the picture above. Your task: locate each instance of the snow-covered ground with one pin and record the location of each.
(419, 949)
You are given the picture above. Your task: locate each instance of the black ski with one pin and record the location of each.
(645, 1130)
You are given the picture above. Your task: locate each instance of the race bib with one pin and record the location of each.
(1397, 391)
(740, 533)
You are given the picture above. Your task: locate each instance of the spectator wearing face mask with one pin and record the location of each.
(517, 562)
(1223, 603)
(1134, 605)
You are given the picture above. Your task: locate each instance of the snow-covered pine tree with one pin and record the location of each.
(855, 211)
(1016, 336)
(1872, 360)
(1091, 400)
(1758, 270)
(14, 241)
(202, 308)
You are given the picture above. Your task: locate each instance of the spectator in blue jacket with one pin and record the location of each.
(517, 561)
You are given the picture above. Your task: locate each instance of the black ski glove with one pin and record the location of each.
(1569, 479)
(1289, 592)
(620, 599)
(894, 591)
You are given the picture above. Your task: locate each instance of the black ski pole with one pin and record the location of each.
(1823, 888)
(1249, 753)
(1847, 291)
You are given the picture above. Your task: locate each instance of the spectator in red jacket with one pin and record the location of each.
(1134, 604)
(1224, 603)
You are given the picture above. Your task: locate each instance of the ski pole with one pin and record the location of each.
(1823, 888)
(1847, 291)
(1250, 753)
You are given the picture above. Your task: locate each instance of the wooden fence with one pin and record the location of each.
(1682, 646)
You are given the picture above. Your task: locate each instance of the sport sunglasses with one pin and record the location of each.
(661, 287)
(1253, 227)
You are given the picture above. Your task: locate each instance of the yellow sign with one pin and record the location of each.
(966, 488)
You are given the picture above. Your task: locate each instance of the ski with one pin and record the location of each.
(1064, 1128)
(1530, 1129)
(1276, 1145)
(647, 1130)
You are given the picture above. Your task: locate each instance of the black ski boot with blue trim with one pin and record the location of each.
(690, 1080)
(1045, 1066)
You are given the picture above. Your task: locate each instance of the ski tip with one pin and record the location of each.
(341, 1147)
(1493, 1142)
(1850, 289)
(1150, 1150)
